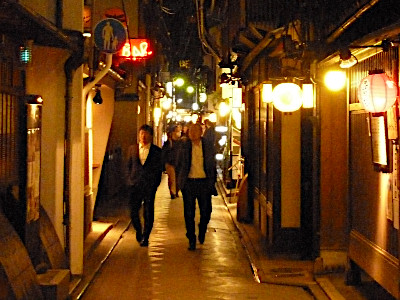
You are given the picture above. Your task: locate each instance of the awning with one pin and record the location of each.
(22, 23)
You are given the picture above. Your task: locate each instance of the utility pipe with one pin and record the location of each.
(71, 65)
(350, 21)
(200, 26)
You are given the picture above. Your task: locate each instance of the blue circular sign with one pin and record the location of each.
(110, 35)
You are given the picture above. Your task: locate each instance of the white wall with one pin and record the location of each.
(102, 119)
(46, 77)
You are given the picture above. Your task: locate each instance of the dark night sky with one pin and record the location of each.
(180, 18)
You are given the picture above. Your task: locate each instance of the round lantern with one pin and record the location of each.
(287, 97)
(377, 92)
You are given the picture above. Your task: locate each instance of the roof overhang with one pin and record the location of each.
(374, 38)
(23, 23)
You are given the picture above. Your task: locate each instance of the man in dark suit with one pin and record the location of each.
(196, 175)
(145, 170)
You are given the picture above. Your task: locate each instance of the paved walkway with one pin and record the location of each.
(218, 269)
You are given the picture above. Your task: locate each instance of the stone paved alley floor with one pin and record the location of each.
(218, 269)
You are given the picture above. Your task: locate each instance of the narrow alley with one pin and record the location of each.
(218, 269)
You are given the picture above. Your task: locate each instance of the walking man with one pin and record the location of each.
(145, 170)
(196, 176)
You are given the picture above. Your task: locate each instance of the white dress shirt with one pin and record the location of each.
(143, 152)
(197, 164)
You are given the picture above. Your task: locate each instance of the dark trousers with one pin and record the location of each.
(196, 189)
(139, 197)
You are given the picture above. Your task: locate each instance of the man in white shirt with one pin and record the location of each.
(145, 170)
(196, 175)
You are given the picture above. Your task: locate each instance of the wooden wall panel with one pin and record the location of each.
(334, 170)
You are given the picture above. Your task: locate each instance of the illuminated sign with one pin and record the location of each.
(184, 64)
(136, 49)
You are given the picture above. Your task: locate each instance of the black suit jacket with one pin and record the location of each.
(185, 160)
(147, 176)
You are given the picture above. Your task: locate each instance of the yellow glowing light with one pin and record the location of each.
(226, 91)
(308, 95)
(157, 113)
(237, 97)
(213, 117)
(190, 89)
(237, 117)
(266, 93)
(335, 80)
(224, 109)
(202, 97)
(179, 82)
(287, 97)
(166, 103)
(169, 88)
(194, 118)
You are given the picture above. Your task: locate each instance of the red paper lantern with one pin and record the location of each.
(377, 92)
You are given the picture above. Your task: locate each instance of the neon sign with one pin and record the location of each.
(136, 49)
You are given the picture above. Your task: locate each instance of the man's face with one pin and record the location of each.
(145, 137)
(176, 134)
(195, 132)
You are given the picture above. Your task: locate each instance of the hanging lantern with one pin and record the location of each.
(377, 92)
(287, 97)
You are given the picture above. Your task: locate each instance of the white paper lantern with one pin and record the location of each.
(287, 97)
(377, 93)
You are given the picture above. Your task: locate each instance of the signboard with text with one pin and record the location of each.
(136, 49)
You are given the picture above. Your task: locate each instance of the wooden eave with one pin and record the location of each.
(22, 23)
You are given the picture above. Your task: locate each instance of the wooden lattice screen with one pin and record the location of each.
(11, 88)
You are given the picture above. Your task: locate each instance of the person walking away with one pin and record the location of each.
(145, 170)
(170, 151)
(196, 176)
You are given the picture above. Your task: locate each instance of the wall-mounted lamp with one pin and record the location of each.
(97, 98)
(335, 80)
(347, 59)
(308, 95)
(157, 115)
(25, 52)
(266, 93)
(34, 99)
(287, 97)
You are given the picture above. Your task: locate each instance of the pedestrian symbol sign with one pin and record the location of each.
(110, 35)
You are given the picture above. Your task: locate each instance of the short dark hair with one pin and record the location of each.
(147, 128)
(172, 128)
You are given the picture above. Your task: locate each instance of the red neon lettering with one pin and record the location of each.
(136, 52)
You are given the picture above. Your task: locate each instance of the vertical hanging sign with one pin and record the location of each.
(395, 174)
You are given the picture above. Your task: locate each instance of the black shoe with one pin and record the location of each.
(139, 237)
(144, 243)
(173, 196)
(192, 245)
(202, 236)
